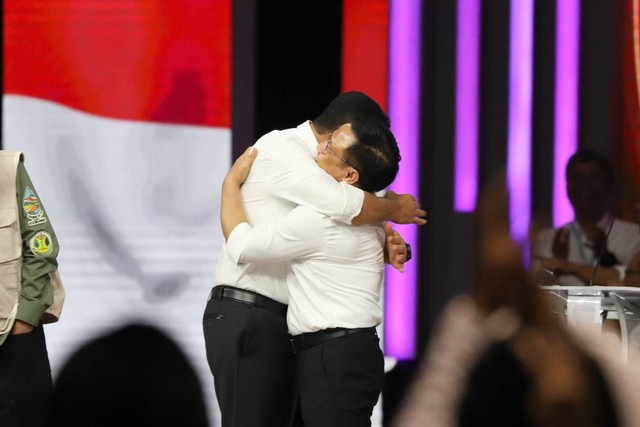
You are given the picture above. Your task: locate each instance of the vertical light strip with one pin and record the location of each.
(466, 138)
(404, 106)
(566, 102)
(520, 106)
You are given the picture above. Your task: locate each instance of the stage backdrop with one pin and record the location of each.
(123, 112)
(631, 111)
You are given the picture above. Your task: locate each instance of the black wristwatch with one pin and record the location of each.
(408, 252)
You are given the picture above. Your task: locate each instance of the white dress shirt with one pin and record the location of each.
(623, 242)
(337, 269)
(283, 176)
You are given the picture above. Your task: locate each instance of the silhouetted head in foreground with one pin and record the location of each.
(134, 376)
(545, 378)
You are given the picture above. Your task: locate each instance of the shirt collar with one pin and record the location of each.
(305, 133)
(604, 222)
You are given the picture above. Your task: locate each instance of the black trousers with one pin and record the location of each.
(252, 362)
(25, 380)
(340, 381)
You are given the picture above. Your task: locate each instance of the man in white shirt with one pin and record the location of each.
(244, 322)
(337, 274)
(595, 236)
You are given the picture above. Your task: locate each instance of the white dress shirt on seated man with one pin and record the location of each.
(623, 242)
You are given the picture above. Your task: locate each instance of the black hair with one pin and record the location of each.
(135, 375)
(345, 108)
(375, 154)
(591, 156)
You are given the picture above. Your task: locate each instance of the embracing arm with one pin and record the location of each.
(397, 208)
(231, 208)
(295, 176)
(294, 236)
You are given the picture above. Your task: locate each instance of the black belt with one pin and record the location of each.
(247, 297)
(310, 339)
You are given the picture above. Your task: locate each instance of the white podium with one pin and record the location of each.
(589, 305)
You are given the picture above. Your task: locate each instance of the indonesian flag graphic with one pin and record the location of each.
(122, 109)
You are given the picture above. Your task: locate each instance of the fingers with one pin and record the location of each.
(396, 248)
(398, 265)
(388, 230)
(419, 214)
(251, 152)
(419, 217)
(239, 170)
(397, 261)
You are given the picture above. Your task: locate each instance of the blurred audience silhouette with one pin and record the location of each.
(133, 376)
(501, 357)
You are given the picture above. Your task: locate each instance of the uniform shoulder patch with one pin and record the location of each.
(32, 208)
(41, 244)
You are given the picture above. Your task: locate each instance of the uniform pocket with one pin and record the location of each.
(9, 292)
(10, 240)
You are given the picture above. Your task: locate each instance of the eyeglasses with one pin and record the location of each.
(328, 150)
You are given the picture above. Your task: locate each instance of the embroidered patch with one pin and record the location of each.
(32, 208)
(41, 244)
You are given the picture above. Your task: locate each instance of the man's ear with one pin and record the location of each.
(352, 176)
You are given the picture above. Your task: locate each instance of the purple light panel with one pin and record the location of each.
(519, 131)
(566, 102)
(466, 138)
(404, 106)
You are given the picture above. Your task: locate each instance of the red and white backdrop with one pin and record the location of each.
(123, 111)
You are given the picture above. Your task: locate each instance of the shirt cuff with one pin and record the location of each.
(237, 240)
(30, 312)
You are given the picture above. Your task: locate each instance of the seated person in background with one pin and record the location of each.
(501, 357)
(134, 376)
(572, 251)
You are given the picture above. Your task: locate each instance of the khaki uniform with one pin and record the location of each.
(30, 286)
(30, 292)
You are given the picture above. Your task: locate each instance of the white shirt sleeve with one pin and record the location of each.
(295, 176)
(298, 234)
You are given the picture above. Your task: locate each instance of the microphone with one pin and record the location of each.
(603, 250)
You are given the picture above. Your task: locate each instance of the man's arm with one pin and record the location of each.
(295, 176)
(397, 208)
(294, 236)
(232, 214)
(231, 207)
(39, 252)
(611, 276)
